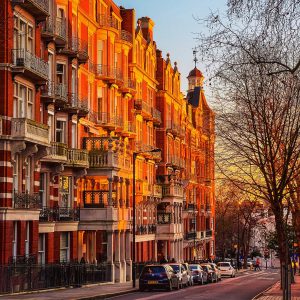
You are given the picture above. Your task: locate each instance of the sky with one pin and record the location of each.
(175, 27)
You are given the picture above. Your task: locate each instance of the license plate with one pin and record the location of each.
(152, 282)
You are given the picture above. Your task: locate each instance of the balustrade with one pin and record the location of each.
(26, 200)
(59, 214)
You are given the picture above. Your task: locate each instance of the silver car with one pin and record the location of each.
(182, 274)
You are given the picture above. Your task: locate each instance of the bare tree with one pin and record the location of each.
(253, 59)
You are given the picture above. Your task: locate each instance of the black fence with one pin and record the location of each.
(21, 278)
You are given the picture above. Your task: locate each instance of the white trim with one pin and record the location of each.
(10, 214)
(6, 179)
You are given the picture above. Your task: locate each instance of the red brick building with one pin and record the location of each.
(83, 87)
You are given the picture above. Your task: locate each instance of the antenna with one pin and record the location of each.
(195, 56)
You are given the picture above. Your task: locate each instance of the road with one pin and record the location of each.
(243, 287)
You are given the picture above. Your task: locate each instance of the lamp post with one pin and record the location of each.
(134, 156)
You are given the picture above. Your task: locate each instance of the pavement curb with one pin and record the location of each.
(267, 289)
(109, 295)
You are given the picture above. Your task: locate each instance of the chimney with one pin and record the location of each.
(147, 28)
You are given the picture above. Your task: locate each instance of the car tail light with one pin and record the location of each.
(196, 272)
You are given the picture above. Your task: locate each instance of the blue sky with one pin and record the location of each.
(175, 27)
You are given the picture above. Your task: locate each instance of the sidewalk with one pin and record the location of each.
(88, 292)
(275, 293)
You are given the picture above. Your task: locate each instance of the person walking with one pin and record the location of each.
(257, 265)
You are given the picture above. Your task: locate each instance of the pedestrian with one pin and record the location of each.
(163, 260)
(257, 265)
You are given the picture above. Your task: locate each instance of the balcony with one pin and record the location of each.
(156, 116)
(145, 229)
(126, 36)
(77, 105)
(30, 130)
(192, 235)
(128, 86)
(30, 65)
(110, 74)
(55, 93)
(164, 218)
(58, 153)
(56, 214)
(107, 22)
(78, 158)
(98, 199)
(76, 48)
(55, 29)
(26, 200)
(108, 121)
(172, 190)
(129, 129)
(38, 8)
(143, 108)
(102, 152)
(147, 189)
(176, 161)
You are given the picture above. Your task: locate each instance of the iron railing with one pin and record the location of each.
(26, 200)
(108, 71)
(146, 229)
(26, 59)
(56, 26)
(191, 235)
(126, 36)
(97, 198)
(140, 104)
(41, 5)
(107, 21)
(59, 214)
(29, 277)
(164, 218)
(78, 157)
(208, 233)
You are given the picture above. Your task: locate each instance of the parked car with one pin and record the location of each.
(158, 276)
(182, 274)
(226, 269)
(198, 274)
(217, 271)
(211, 275)
(189, 273)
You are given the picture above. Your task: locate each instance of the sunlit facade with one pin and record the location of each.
(84, 87)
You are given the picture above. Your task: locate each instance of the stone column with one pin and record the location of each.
(155, 250)
(116, 183)
(123, 256)
(121, 192)
(110, 200)
(127, 183)
(128, 255)
(110, 255)
(172, 250)
(117, 261)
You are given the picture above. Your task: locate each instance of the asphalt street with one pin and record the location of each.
(243, 287)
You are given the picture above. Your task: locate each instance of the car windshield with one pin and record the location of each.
(175, 267)
(193, 267)
(154, 270)
(223, 264)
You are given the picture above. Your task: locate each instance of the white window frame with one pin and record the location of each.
(23, 100)
(42, 252)
(65, 248)
(27, 240)
(62, 131)
(15, 240)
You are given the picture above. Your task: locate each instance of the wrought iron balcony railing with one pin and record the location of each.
(191, 235)
(108, 72)
(79, 102)
(98, 198)
(164, 218)
(38, 8)
(26, 200)
(23, 128)
(126, 36)
(59, 91)
(156, 115)
(55, 27)
(145, 229)
(59, 214)
(37, 67)
(143, 106)
(172, 189)
(107, 21)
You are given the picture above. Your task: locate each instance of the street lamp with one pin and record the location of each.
(134, 156)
